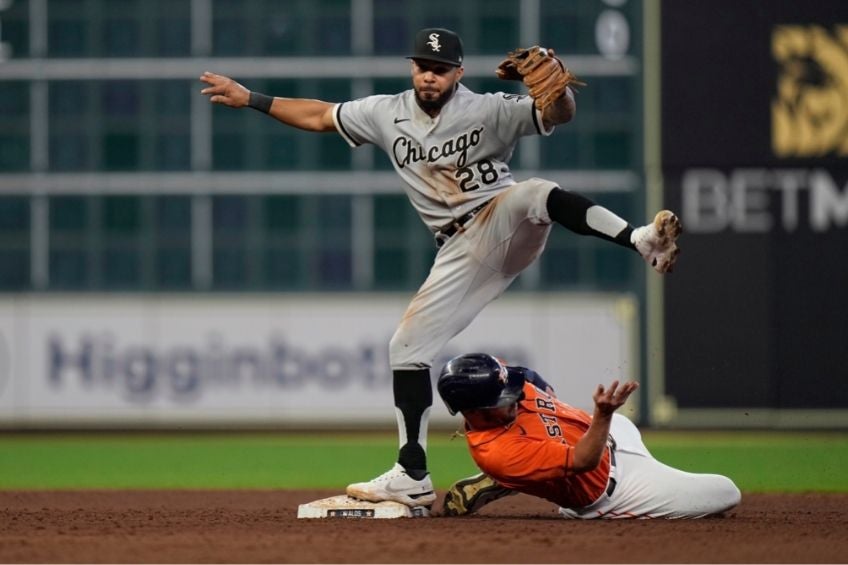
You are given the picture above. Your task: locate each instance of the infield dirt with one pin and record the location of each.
(261, 527)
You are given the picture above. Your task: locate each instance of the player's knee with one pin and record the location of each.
(537, 191)
(402, 354)
(541, 188)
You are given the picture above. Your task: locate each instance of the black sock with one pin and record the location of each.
(413, 396)
(571, 210)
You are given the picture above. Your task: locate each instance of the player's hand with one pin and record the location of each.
(608, 400)
(224, 90)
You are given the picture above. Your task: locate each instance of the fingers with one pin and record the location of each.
(607, 393)
(615, 396)
(217, 83)
(209, 78)
(217, 94)
(216, 98)
(625, 391)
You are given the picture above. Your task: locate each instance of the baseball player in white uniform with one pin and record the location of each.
(451, 147)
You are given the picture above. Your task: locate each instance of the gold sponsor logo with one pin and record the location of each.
(809, 113)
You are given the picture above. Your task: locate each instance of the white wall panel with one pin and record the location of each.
(308, 360)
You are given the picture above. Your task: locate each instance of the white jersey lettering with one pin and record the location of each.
(406, 151)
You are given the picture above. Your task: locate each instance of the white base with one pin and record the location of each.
(343, 506)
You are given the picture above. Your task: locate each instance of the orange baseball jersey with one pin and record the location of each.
(534, 454)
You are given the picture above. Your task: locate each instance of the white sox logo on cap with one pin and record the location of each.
(436, 44)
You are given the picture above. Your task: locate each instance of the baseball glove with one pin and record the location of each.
(542, 73)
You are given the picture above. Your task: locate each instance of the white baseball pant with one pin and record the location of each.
(473, 268)
(647, 488)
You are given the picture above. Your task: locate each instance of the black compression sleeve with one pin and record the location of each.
(413, 396)
(569, 209)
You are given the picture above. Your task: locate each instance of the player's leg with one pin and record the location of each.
(656, 242)
(663, 490)
(515, 233)
(408, 481)
(457, 288)
(647, 488)
(529, 207)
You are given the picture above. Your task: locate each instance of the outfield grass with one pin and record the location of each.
(757, 462)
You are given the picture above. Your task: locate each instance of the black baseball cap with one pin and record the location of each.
(438, 44)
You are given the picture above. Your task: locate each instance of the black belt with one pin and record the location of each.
(446, 232)
(612, 482)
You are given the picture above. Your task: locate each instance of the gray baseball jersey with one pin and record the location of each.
(450, 163)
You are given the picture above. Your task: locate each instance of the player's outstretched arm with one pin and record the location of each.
(302, 113)
(590, 447)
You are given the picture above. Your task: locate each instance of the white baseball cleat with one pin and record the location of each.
(395, 484)
(656, 242)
